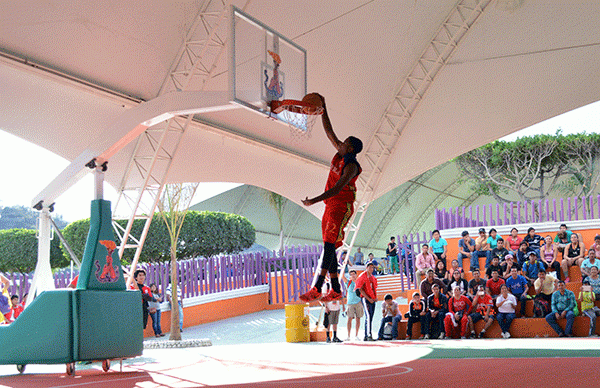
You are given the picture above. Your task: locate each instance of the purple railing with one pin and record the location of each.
(408, 248)
(556, 210)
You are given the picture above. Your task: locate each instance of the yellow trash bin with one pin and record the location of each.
(297, 323)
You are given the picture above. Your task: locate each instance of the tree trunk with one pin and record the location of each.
(280, 247)
(175, 333)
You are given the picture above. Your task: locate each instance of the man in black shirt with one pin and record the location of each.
(500, 252)
(475, 282)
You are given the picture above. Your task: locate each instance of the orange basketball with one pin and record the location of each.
(313, 99)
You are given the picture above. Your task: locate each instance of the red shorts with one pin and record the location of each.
(335, 219)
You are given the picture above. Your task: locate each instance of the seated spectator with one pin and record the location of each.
(483, 309)
(482, 249)
(594, 281)
(534, 240)
(532, 267)
(508, 264)
(518, 286)
(457, 282)
(574, 253)
(562, 238)
(549, 254)
(437, 305)
(455, 268)
(438, 246)
(492, 241)
(500, 252)
(596, 245)
(416, 313)
(587, 297)
(563, 304)
(424, 262)
(442, 273)
(523, 253)
(389, 310)
(494, 284)
(475, 283)
(15, 310)
(513, 241)
(544, 285)
(429, 281)
(466, 248)
(459, 307)
(588, 263)
(506, 304)
(494, 266)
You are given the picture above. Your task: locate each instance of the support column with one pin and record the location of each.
(42, 278)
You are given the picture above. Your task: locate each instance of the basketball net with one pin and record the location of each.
(300, 117)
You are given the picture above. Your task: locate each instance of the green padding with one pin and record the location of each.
(42, 334)
(110, 324)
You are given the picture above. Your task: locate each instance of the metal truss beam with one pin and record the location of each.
(434, 204)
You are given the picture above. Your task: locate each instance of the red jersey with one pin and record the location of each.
(368, 284)
(348, 192)
(14, 312)
(482, 304)
(461, 304)
(495, 286)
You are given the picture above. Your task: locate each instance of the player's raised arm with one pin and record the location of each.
(328, 128)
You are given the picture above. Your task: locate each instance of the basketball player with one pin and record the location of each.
(339, 196)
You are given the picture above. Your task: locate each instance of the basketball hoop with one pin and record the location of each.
(300, 116)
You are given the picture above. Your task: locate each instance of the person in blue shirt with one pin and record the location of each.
(355, 307)
(532, 267)
(563, 306)
(517, 285)
(438, 246)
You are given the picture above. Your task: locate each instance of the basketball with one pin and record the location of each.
(313, 99)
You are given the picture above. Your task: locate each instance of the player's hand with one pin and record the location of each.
(322, 99)
(307, 202)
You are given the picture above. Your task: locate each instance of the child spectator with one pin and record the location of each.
(494, 284)
(154, 310)
(506, 304)
(508, 264)
(532, 267)
(483, 306)
(424, 262)
(392, 254)
(438, 246)
(588, 264)
(466, 248)
(332, 312)
(437, 305)
(500, 252)
(534, 241)
(518, 286)
(475, 283)
(573, 255)
(459, 307)
(587, 299)
(513, 241)
(544, 286)
(482, 249)
(549, 254)
(355, 307)
(389, 311)
(15, 310)
(494, 266)
(562, 238)
(458, 282)
(416, 313)
(563, 304)
(442, 273)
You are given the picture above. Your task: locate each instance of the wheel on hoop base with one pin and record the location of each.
(71, 369)
(21, 368)
(105, 365)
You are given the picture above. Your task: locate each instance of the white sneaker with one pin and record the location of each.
(503, 335)
(426, 336)
(442, 335)
(348, 339)
(507, 334)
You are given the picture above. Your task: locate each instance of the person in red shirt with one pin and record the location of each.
(484, 309)
(339, 197)
(459, 307)
(513, 241)
(366, 285)
(15, 310)
(494, 284)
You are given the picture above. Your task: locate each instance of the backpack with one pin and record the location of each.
(541, 308)
(387, 331)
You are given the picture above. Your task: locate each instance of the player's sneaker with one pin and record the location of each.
(331, 295)
(312, 294)
(336, 339)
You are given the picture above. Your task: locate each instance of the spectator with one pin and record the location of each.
(428, 283)
(483, 309)
(442, 273)
(532, 267)
(475, 283)
(544, 285)
(563, 237)
(534, 241)
(508, 264)
(389, 310)
(466, 248)
(587, 297)
(168, 294)
(523, 253)
(500, 252)
(438, 246)
(596, 245)
(424, 262)
(549, 254)
(518, 286)
(459, 307)
(154, 310)
(575, 252)
(506, 304)
(15, 310)
(492, 240)
(563, 304)
(370, 258)
(355, 307)
(140, 277)
(332, 311)
(359, 257)
(393, 255)
(4, 297)
(482, 249)
(367, 286)
(513, 241)
(455, 268)
(594, 280)
(494, 284)
(588, 263)
(437, 305)
(494, 266)
(457, 282)
(416, 313)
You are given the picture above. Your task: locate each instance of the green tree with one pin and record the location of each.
(21, 217)
(19, 249)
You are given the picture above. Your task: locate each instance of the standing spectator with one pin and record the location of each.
(466, 248)
(140, 278)
(332, 310)
(389, 311)
(532, 267)
(544, 286)
(494, 284)
(506, 304)
(355, 307)
(588, 264)
(427, 284)
(154, 310)
(494, 266)
(500, 252)
(392, 253)
(458, 282)
(475, 283)
(482, 249)
(437, 305)
(549, 253)
(438, 246)
(587, 297)
(534, 241)
(483, 309)
(594, 281)
(563, 304)
(518, 286)
(424, 262)
(459, 307)
(359, 257)
(168, 294)
(416, 313)
(442, 273)
(575, 252)
(367, 285)
(508, 264)
(513, 241)
(523, 253)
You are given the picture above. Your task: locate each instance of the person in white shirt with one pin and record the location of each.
(506, 304)
(332, 316)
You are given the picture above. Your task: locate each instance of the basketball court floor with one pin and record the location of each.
(250, 351)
